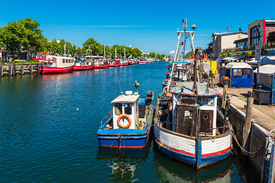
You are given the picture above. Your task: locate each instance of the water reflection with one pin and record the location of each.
(125, 165)
(168, 170)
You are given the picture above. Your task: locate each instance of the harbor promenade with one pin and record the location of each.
(264, 115)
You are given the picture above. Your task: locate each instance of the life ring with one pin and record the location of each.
(121, 124)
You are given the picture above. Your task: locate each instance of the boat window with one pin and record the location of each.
(63, 60)
(237, 73)
(188, 114)
(128, 109)
(118, 109)
(206, 100)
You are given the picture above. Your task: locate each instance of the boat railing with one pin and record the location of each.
(108, 117)
(221, 129)
(168, 124)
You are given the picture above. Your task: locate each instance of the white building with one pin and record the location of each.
(222, 41)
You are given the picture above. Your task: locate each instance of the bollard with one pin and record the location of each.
(22, 69)
(31, 69)
(1, 70)
(13, 69)
(10, 70)
(248, 120)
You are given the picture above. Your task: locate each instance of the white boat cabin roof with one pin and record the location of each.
(238, 65)
(185, 88)
(126, 98)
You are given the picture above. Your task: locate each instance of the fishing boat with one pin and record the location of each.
(185, 125)
(143, 61)
(114, 63)
(57, 65)
(128, 125)
(123, 63)
(131, 62)
(81, 65)
(101, 64)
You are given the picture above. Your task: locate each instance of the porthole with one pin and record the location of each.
(205, 117)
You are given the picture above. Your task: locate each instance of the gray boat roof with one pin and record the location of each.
(126, 99)
(185, 88)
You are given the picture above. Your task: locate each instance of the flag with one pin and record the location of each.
(240, 29)
(228, 28)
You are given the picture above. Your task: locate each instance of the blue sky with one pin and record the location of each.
(148, 25)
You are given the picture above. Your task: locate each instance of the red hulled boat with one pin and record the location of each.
(115, 63)
(82, 65)
(101, 64)
(123, 63)
(57, 65)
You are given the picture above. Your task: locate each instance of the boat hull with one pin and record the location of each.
(114, 65)
(123, 64)
(105, 66)
(196, 152)
(142, 62)
(131, 63)
(55, 70)
(126, 138)
(82, 68)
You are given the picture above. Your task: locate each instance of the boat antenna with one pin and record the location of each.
(136, 85)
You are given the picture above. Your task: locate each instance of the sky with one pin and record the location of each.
(148, 25)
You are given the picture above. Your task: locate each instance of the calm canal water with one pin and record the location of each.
(44, 139)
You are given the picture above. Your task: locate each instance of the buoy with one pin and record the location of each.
(77, 109)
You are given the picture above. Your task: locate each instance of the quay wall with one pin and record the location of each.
(11, 70)
(257, 142)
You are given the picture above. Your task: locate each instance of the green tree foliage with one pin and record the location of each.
(160, 57)
(22, 35)
(92, 47)
(152, 55)
(136, 52)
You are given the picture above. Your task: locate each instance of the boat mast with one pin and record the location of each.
(115, 52)
(180, 43)
(104, 52)
(124, 54)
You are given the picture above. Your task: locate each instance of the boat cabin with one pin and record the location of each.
(82, 63)
(192, 115)
(60, 62)
(125, 111)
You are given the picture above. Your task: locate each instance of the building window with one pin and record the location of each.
(256, 36)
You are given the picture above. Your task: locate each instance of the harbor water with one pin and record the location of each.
(44, 139)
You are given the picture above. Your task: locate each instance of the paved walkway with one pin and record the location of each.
(263, 115)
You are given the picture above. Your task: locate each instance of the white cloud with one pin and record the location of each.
(172, 52)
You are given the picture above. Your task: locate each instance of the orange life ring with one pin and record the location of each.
(124, 125)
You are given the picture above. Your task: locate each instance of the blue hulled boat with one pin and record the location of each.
(128, 125)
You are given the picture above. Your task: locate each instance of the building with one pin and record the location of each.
(255, 37)
(223, 41)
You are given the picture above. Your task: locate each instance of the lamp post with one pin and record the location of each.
(260, 30)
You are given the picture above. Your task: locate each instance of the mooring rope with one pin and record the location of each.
(251, 154)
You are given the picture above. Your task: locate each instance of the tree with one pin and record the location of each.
(92, 47)
(136, 52)
(22, 35)
(152, 55)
